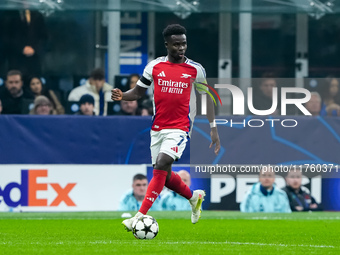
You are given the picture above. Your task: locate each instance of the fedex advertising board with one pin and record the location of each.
(31, 188)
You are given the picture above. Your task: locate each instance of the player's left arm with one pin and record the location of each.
(201, 88)
(215, 139)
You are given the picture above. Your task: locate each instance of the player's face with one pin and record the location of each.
(139, 187)
(176, 46)
(267, 178)
(294, 179)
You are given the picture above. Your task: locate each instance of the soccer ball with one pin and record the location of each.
(145, 227)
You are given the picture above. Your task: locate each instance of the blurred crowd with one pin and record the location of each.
(325, 95)
(23, 43)
(23, 89)
(91, 98)
(263, 196)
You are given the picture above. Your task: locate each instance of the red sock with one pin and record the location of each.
(154, 189)
(176, 184)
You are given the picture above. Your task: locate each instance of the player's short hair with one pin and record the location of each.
(97, 74)
(139, 177)
(14, 72)
(174, 29)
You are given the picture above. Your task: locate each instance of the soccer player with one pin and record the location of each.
(174, 111)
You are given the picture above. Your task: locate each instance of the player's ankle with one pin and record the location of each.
(139, 214)
(193, 196)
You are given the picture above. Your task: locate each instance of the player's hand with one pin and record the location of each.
(116, 94)
(215, 139)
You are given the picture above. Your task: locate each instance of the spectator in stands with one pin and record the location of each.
(36, 88)
(129, 108)
(26, 37)
(133, 199)
(86, 105)
(263, 96)
(133, 80)
(147, 108)
(264, 196)
(314, 104)
(299, 196)
(96, 87)
(331, 98)
(42, 106)
(12, 93)
(171, 201)
(0, 106)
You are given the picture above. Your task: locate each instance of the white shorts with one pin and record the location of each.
(172, 142)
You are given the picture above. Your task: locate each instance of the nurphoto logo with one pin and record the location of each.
(238, 100)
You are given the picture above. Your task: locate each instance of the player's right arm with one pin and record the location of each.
(133, 94)
(139, 90)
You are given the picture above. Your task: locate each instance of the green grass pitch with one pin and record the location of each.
(217, 232)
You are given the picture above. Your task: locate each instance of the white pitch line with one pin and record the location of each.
(283, 245)
(231, 218)
(288, 218)
(117, 242)
(57, 218)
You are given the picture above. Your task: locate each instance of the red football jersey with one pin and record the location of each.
(174, 98)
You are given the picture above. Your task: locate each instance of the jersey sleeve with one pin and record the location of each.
(146, 80)
(201, 80)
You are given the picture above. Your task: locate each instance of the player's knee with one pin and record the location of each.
(164, 162)
(162, 165)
